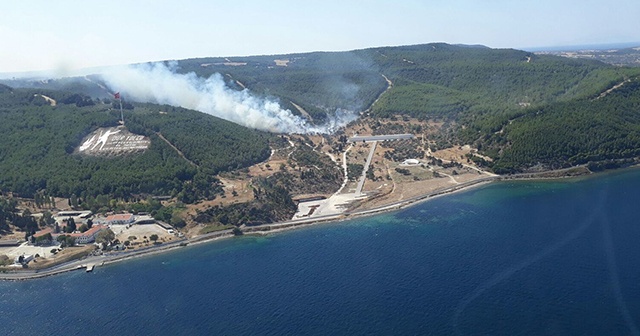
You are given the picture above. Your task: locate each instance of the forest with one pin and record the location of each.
(565, 134)
(519, 108)
(38, 142)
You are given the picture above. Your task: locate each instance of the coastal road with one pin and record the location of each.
(400, 204)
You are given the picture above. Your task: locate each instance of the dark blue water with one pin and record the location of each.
(511, 258)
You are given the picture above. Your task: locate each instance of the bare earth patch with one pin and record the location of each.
(140, 232)
(67, 254)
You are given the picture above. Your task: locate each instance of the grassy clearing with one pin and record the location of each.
(417, 173)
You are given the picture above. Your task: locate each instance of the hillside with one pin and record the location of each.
(38, 148)
(570, 133)
(464, 83)
(521, 109)
(320, 82)
(488, 98)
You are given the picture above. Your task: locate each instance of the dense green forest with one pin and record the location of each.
(569, 133)
(37, 143)
(480, 86)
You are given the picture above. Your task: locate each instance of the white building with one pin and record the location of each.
(88, 236)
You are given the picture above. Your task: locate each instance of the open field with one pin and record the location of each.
(123, 232)
(25, 249)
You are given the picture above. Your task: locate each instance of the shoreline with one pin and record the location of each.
(272, 228)
(366, 213)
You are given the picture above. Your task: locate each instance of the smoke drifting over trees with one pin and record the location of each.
(159, 83)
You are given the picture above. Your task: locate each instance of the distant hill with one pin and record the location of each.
(628, 56)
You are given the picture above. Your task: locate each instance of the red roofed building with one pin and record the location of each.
(88, 236)
(40, 239)
(121, 219)
(42, 232)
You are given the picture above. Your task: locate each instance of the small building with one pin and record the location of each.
(145, 219)
(164, 225)
(120, 219)
(88, 236)
(9, 243)
(365, 138)
(79, 214)
(299, 199)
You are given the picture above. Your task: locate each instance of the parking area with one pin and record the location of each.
(25, 249)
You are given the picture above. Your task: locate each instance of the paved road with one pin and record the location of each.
(380, 137)
(366, 167)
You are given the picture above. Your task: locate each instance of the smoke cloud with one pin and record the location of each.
(159, 83)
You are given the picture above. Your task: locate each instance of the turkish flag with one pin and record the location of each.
(116, 95)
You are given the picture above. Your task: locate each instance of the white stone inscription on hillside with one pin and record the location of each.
(113, 141)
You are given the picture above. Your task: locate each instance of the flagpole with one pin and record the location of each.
(121, 113)
(117, 96)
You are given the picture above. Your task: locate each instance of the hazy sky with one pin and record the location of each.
(67, 34)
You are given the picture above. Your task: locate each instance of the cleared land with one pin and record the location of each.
(141, 233)
(385, 178)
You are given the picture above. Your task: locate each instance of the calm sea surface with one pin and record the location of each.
(511, 258)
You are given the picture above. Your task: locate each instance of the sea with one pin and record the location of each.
(557, 257)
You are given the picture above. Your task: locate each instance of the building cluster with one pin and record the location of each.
(86, 237)
(78, 227)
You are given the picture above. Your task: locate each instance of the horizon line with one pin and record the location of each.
(51, 73)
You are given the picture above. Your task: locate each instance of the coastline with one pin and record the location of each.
(271, 228)
(264, 229)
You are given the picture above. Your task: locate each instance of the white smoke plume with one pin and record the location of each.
(158, 83)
